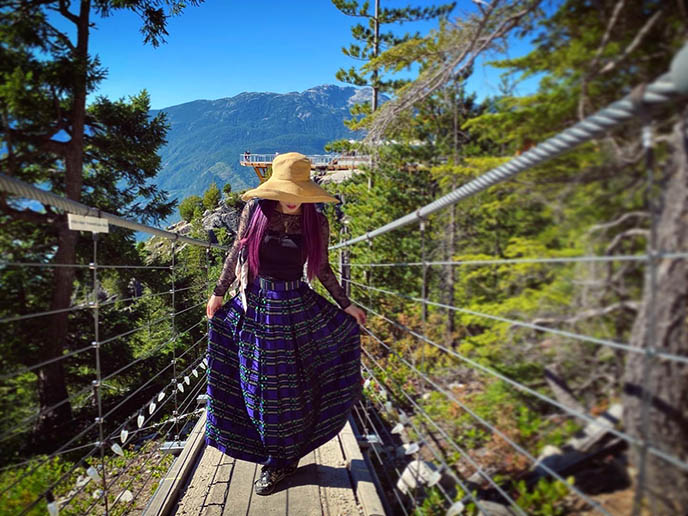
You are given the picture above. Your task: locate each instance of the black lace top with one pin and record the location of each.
(282, 254)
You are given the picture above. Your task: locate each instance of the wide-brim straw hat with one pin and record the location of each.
(290, 182)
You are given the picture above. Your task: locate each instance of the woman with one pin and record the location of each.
(284, 363)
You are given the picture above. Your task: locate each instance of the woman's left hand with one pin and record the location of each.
(356, 313)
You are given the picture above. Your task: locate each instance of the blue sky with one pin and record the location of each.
(224, 47)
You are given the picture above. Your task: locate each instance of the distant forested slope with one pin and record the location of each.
(206, 137)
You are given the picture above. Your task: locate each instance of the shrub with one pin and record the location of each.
(211, 197)
(188, 206)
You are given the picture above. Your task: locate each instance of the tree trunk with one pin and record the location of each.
(52, 389)
(450, 235)
(666, 385)
(51, 380)
(451, 228)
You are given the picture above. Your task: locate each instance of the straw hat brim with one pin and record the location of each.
(290, 191)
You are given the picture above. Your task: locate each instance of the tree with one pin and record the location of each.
(373, 42)
(49, 136)
(227, 188)
(188, 206)
(211, 197)
(589, 53)
(446, 55)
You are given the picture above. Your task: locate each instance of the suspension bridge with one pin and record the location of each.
(393, 452)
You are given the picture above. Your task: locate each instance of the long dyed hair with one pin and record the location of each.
(310, 229)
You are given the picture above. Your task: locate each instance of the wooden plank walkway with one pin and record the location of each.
(322, 486)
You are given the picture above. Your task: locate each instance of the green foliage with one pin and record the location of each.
(433, 504)
(544, 499)
(33, 482)
(371, 42)
(227, 188)
(197, 154)
(104, 155)
(188, 206)
(370, 46)
(211, 197)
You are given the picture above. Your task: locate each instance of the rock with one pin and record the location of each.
(82, 481)
(551, 457)
(594, 431)
(125, 496)
(496, 509)
(222, 217)
(555, 459)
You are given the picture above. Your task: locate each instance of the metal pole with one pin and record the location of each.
(424, 313)
(208, 291)
(97, 384)
(650, 349)
(174, 345)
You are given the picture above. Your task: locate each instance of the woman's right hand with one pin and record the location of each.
(214, 304)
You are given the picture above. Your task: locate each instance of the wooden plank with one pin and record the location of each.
(165, 497)
(364, 485)
(336, 492)
(192, 498)
(240, 488)
(303, 496)
(219, 488)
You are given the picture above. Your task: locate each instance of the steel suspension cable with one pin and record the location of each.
(575, 413)
(484, 422)
(451, 441)
(576, 336)
(438, 457)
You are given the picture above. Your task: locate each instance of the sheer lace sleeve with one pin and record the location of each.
(325, 275)
(227, 276)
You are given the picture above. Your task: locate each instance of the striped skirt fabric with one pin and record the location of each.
(283, 375)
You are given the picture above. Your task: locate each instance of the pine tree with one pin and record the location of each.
(103, 154)
(372, 42)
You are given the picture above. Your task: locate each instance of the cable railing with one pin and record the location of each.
(484, 487)
(146, 371)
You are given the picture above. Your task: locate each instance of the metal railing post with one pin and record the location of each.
(650, 351)
(424, 309)
(175, 385)
(97, 383)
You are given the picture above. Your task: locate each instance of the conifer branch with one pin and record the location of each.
(25, 215)
(634, 44)
(462, 56)
(44, 142)
(596, 58)
(64, 11)
(589, 314)
(623, 218)
(616, 241)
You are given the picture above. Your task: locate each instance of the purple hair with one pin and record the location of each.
(310, 229)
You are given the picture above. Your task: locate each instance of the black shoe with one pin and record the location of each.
(270, 477)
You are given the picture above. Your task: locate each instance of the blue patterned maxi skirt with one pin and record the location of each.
(283, 376)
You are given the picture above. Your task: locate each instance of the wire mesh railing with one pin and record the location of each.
(133, 365)
(439, 412)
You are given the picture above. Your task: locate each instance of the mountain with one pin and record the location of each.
(206, 137)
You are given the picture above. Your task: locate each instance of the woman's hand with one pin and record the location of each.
(214, 304)
(357, 314)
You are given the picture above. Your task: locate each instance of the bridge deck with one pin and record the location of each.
(322, 485)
